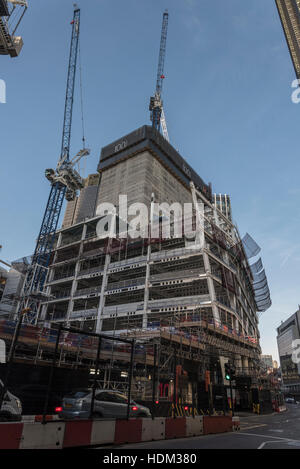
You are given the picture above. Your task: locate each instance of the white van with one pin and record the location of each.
(11, 409)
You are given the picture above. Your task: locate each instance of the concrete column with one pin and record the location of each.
(238, 363)
(245, 364)
(211, 287)
(83, 234)
(207, 267)
(146, 294)
(71, 301)
(104, 280)
(51, 274)
(74, 283)
(43, 313)
(59, 240)
(102, 295)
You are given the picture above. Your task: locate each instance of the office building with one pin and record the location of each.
(287, 332)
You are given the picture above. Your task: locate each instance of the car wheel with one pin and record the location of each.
(142, 415)
(97, 415)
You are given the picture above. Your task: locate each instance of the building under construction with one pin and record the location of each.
(173, 303)
(196, 303)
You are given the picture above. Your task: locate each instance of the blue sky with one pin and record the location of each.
(227, 99)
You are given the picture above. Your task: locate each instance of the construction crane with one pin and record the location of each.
(11, 15)
(65, 182)
(3, 262)
(157, 114)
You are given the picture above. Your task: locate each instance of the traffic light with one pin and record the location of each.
(227, 372)
(232, 372)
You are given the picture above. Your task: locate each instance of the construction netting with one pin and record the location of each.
(259, 282)
(250, 246)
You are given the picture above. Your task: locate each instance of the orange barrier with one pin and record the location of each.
(236, 423)
(281, 408)
(77, 433)
(217, 424)
(175, 428)
(128, 431)
(10, 435)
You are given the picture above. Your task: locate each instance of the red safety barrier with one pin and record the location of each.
(217, 424)
(78, 433)
(281, 408)
(10, 435)
(128, 431)
(175, 428)
(236, 423)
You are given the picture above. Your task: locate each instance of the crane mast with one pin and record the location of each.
(156, 106)
(64, 182)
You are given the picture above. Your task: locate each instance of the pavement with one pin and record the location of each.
(272, 431)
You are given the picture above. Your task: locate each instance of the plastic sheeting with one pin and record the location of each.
(260, 282)
(260, 285)
(259, 277)
(256, 267)
(250, 246)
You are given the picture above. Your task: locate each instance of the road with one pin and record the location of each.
(274, 431)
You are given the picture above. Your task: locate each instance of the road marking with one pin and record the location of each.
(254, 426)
(264, 436)
(288, 442)
(266, 442)
(278, 431)
(293, 443)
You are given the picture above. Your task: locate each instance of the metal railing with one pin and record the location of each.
(98, 268)
(179, 274)
(87, 291)
(126, 283)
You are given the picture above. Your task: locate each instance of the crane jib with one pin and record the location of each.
(67, 125)
(162, 53)
(156, 105)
